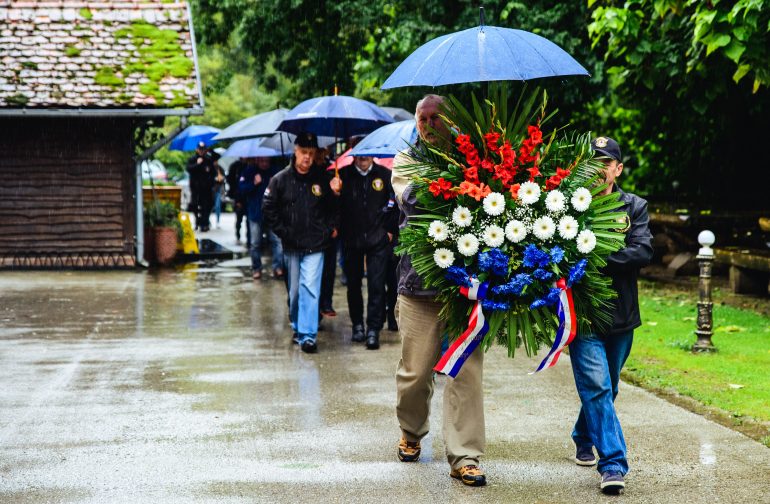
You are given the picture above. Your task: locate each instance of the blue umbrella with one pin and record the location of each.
(251, 147)
(335, 116)
(481, 54)
(264, 124)
(188, 139)
(387, 141)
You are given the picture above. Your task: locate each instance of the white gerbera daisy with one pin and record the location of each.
(554, 201)
(581, 199)
(586, 241)
(494, 204)
(515, 231)
(462, 216)
(543, 227)
(438, 230)
(493, 235)
(529, 193)
(443, 258)
(568, 227)
(467, 244)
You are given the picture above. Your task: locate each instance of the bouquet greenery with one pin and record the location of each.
(513, 228)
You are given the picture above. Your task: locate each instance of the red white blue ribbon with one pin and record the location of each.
(567, 326)
(456, 355)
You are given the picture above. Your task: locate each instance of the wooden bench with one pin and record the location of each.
(749, 269)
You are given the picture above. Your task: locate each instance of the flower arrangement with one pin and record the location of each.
(513, 230)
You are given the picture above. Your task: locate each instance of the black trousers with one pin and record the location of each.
(376, 266)
(327, 276)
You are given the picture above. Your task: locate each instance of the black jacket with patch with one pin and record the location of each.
(366, 206)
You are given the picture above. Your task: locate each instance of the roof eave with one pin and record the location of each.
(104, 112)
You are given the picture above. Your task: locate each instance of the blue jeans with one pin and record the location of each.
(596, 364)
(255, 231)
(304, 275)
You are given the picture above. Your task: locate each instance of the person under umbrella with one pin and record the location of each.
(203, 169)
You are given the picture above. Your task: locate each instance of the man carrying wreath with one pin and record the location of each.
(421, 329)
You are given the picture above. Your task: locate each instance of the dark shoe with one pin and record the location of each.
(257, 275)
(408, 451)
(358, 334)
(392, 324)
(295, 339)
(309, 346)
(328, 312)
(584, 456)
(470, 475)
(372, 339)
(612, 483)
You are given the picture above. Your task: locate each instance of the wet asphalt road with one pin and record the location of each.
(183, 386)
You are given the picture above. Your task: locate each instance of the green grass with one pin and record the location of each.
(735, 379)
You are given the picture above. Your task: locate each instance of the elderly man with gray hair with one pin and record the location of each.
(421, 329)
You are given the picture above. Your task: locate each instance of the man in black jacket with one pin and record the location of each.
(203, 169)
(364, 191)
(300, 208)
(598, 358)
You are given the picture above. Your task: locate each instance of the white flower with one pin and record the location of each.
(438, 230)
(493, 235)
(543, 227)
(494, 204)
(568, 227)
(529, 193)
(581, 199)
(443, 257)
(468, 244)
(515, 231)
(554, 201)
(586, 241)
(462, 216)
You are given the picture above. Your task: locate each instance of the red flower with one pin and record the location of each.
(535, 135)
(562, 174)
(552, 183)
(487, 165)
(434, 188)
(472, 174)
(445, 185)
(492, 139)
(515, 191)
(533, 172)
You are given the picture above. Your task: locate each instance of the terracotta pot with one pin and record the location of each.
(166, 240)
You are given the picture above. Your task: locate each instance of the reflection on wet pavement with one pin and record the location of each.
(183, 386)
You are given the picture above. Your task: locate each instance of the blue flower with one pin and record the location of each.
(557, 254)
(488, 304)
(577, 272)
(495, 261)
(537, 304)
(535, 258)
(542, 274)
(458, 275)
(515, 286)
(549, 299)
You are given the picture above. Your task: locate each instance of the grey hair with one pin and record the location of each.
(429, 98)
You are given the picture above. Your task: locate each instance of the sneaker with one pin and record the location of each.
(309, 346)
(470, 475)
(295, 339)
(372, 339)
(584, 456)
(612, 483)
(408, 451)
(358, 334)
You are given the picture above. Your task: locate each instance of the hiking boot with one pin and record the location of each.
(612, 483)
(408, 451)
(309, 346)
(358, 334)
(372, 339)
(470, 475)
(584, 456)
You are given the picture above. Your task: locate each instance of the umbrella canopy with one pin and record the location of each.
(259, 125)
(188, 139)
(336, 116)
(484, 53)
(387, 141)
(346, 159)
(251, 147)
(398, 114)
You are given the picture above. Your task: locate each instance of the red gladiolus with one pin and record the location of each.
(552, 183)
(492, 139)
(472, 174)
(562, 174)
(535, 135)
(434, 188)
(533, 172)
(487, 165)
(515, 191)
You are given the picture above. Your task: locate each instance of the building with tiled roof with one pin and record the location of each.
(114, 55)
(82, 85)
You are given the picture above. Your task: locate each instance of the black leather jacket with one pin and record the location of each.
(623, 266)
(301, 209)
(364, 206)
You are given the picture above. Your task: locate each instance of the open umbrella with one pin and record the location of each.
(337, 116)
(188, 139)
(259, 125)
(398, 114)
(251, 147)
(481, 54)
(387, 141)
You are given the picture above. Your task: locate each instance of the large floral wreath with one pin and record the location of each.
(513, 230)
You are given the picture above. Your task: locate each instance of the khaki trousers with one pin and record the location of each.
(463, 414)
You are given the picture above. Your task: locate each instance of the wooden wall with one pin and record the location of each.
(66, 192)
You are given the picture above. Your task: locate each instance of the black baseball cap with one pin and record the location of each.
(606, 146)
(306, 139)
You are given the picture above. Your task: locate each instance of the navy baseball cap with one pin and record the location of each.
(607, 147)
(306, 139)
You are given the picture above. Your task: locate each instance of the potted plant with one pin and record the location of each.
(162, 222)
